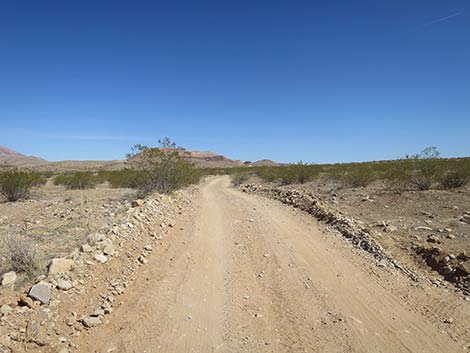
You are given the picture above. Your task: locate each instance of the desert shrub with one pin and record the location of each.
(239, 178)
(127, 178)
(424, 174)
(163, 171)
(17, 184)
(20, 256)
(455, 179)
(77, 180)
(358, 176)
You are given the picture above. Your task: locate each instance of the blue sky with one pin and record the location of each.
(318, 81)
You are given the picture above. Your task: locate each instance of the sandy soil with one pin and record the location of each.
(247, 274)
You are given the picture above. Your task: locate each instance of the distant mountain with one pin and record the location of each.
(206, 159)
(201, 159)
(265, 163)
(12, 158)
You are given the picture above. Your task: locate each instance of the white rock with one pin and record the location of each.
(9, 278)
(64, 284)
(86, 248)
(101, 258)
(60, 266)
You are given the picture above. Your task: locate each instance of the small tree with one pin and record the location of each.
(428, 153)
(166, 142)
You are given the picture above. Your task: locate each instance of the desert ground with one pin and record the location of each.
(218, 268)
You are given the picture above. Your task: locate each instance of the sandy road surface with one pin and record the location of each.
(245, 274)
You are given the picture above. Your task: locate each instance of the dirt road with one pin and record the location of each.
(241, 273)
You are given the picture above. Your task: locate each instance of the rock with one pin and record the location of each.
(86, 248)
(26, 301)
(5, 309)
(91, 321)
(60, 266)
(465, 218)
(138, 203)
(41, 292)
(433, 239)
(142, 260)
(148, 247)
(64, 285)
(109, 249)
(9, 278)
(423, 228)
(101, 258)
(95, 238)
(390, 229)
(98, 312)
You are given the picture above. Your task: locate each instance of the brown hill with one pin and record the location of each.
(201, 159)
(10, 158)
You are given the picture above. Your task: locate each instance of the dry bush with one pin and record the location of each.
(20, 256)
(239, 178)
(455, 179)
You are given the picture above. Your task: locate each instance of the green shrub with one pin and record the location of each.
(77, 180)
(17, 184)
(163, 171)
(127, 178)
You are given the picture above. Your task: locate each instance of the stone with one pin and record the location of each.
(101, 258)
(5, 309)
(98, 312)
(390, 229)
(86, 248)
(423, 228)
(60, 265)
(465, 218)
(148, 247)
(138, 203)
(109, 249)
(41, 292)
(433, 239)
(64, 285)
(9, 278)
(26, 301)
(91, 321)
(142, 260)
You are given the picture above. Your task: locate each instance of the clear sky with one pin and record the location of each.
(318, 81)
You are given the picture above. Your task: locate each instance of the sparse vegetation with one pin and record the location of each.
(239, 178)
(17, 184)
(20, 256)
(77, 180)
